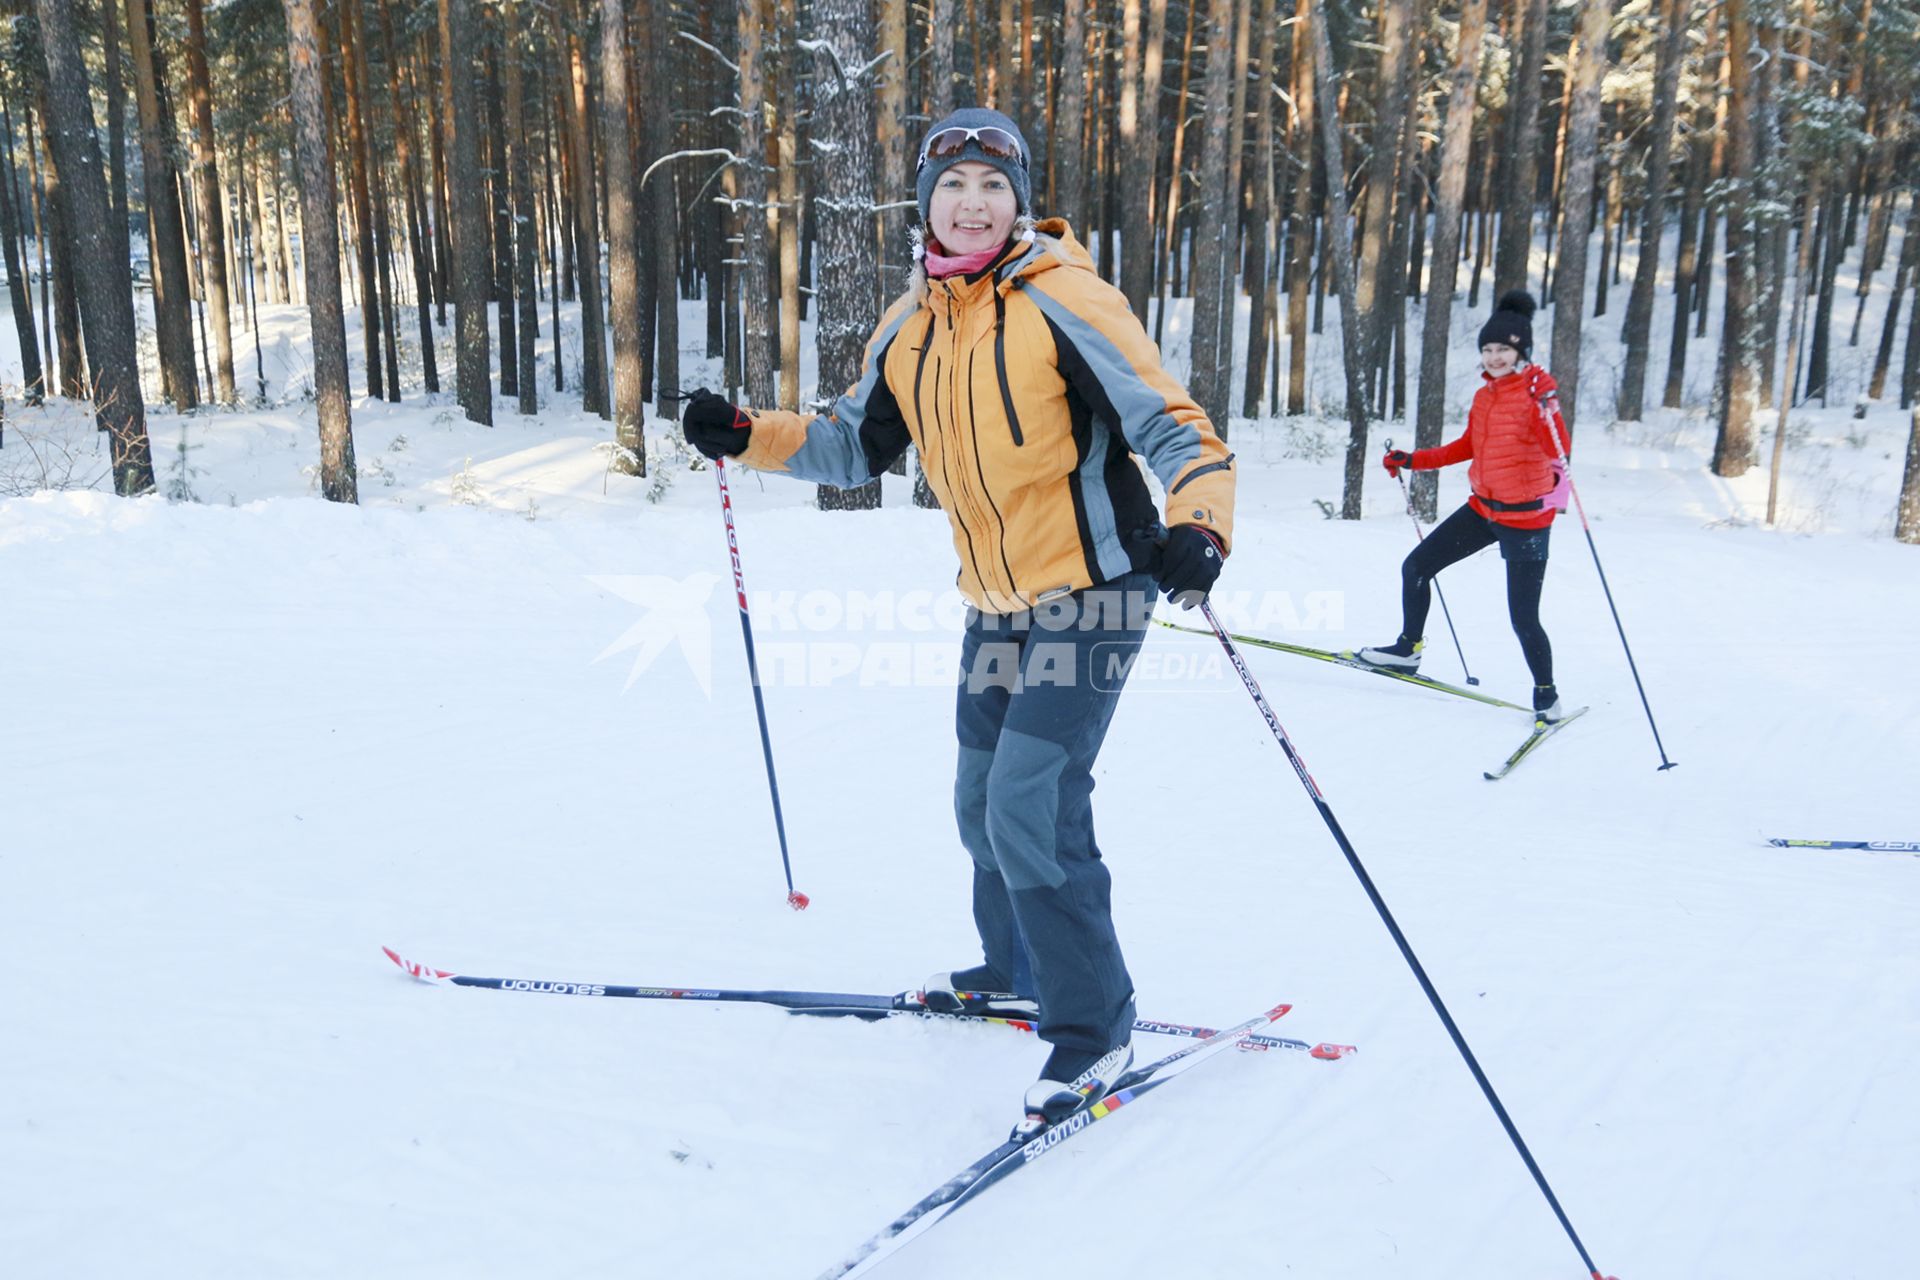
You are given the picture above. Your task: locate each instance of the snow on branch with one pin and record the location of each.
(821, 48)
(693, 39)
(688, 155)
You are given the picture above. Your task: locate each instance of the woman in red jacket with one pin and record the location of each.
(1516, 475)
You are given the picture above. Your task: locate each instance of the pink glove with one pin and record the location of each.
(1561, 494)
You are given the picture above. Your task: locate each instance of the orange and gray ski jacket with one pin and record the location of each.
(1028, 388)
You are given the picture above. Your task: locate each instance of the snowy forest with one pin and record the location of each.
(373, 594)
(756, 160)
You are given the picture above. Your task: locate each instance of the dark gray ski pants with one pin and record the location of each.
(1037, 691)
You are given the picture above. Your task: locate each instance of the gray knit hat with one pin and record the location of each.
(976, 118)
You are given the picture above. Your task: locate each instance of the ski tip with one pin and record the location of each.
(1332, 1052)
(418, 971)
(1278, 1012)
(798, 900)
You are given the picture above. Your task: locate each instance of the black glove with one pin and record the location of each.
(714, 427)
(1189, 564)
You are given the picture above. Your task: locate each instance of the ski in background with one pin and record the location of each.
(1541, 732)
(1017, 1153)
(1348, 658)
(980, 1007)
(1872, 846)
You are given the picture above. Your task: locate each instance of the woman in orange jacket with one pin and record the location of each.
(1032, 393)
(1517, 476)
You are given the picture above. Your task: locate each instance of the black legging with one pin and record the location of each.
(1459, 536)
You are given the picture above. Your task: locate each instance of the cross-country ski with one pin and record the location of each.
(1541, 731)
(1873, 846)
(976, 1006)
(1023, 1149)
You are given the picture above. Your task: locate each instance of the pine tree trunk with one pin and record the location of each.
(1398, 54)
(293, 288)
(1167, 262)
(1070, 185)
(1391, 334)
(1800, 282)
(1608, 216)
(787, 29)
(1300, 225)
(1138, 146)
(353, 77)
(894, 178)
(623, 258)
(104, 285)
(1512, 261)
(1733, 449)
(1340, 246)
(1211, 374)
(32, 376)
(43, 235)
(501, 201)
(1233, 204)
(1675, 16)
(586, 214)
(1713, 209)
(1685, 268)
(377, 198)
(1483, 203)
(405, 120)
(843, 113)
(1261, 222)
(473, 361)
(665, 210)
(439, 110)
(1000, 86)
(116, 88)
(1583, 128)
(1770, 257)
(206, 185)
(756, 286)
(1907, 526)
(1832, 248)
(1903, 278)
(173, 331)
(1438, 319)
(940, 26)
(525, 290)
(338, 480)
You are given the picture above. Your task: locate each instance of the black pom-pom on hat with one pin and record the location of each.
(1517, 300)
(1511, 323)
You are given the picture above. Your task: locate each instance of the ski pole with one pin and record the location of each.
(1393, 927)
(1419, 535)
(795, 899)
(1560, 450)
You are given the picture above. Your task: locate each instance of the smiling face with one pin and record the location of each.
(973, 208)
(1499, 359)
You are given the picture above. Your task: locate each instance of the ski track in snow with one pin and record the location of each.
(248, 741)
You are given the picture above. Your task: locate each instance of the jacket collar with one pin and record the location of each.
(1053, 246)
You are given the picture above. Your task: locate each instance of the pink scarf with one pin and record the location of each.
(940, 266)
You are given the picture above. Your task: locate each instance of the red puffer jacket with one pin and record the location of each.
(1509, 446)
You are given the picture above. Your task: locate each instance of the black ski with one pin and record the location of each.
(1015, 1154)
(980, 1007)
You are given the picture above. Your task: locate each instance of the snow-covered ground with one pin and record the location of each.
(497, 717)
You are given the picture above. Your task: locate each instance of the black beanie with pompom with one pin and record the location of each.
(1511, 323)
